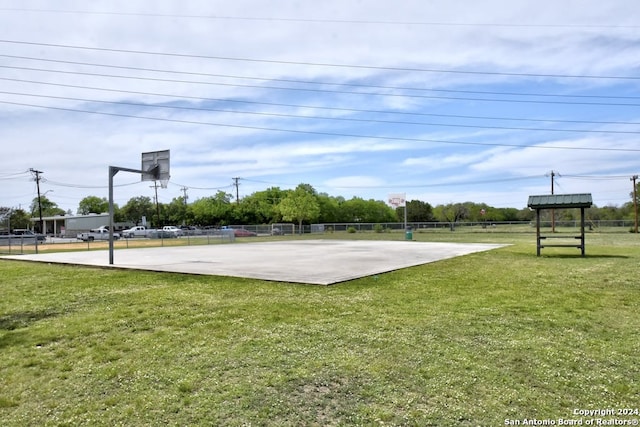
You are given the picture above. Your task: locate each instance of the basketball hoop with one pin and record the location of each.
(398, 200)
(155, 166)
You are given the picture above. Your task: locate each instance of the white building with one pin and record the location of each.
(71, 225)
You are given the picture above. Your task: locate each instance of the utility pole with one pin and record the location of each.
(635, 203)
(237, 184)
(37, 174)
(184, 190)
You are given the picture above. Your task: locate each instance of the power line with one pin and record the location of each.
(13, 175)
(231, 76)
(309, 117)
(342, 92)
(596, 177)
(322, 21)
(333, 134)
(191, 187)
(353, 110)
(318, 64)
(324, 108)
(63, 184)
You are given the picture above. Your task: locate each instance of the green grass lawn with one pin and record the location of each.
(475, 340)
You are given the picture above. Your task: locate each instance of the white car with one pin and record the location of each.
(173, 230)
(137, 231)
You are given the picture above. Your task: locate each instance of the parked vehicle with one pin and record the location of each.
(162, 234)
(137, 231)
(241, 232)
(173, 230)
(276, 232)
(100, 233)
(28, 233)
(191, 230)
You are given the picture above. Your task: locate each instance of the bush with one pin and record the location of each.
(378, 228)
(351, 230)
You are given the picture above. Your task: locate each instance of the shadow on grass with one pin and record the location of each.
(12, 338)
(587, 256)
(23, 319)
(10, 322)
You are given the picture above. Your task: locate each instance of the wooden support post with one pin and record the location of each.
(538, 231)
(582, 230)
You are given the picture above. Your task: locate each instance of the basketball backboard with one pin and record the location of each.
(398, 200)
(155, 166)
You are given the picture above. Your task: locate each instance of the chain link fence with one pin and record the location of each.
(15, 244)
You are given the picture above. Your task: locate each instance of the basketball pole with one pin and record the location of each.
(113, 170)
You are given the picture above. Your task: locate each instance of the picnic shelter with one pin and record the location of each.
(560, 201)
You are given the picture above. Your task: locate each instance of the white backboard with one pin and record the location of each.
(150, 161)
(398, 200)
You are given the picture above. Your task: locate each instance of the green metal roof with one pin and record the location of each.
(548, 201)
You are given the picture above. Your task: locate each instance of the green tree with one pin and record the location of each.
(213, 210)
(357, 209)
(137, 208)
(260, 207)
(510, 214)
(20, 219)
(525, 214)
(329, 208)
(451, 213)
(417, 211)
(354, 210)
(300, 205)
(607, 213)
(93, 204)
(11, 219)
(49, 208)
(176, 211)
(474, 212)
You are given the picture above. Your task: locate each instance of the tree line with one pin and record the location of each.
(302, 205)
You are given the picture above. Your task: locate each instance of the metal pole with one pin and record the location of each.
(635, 203)
(406, 206)
(553, 211)
(112, 171)
(155, 186)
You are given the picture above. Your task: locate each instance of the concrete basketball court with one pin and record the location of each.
(320, 262)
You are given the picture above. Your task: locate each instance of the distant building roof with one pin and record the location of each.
(549, 201)
(67, 216)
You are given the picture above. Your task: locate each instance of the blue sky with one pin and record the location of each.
(444, 101)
